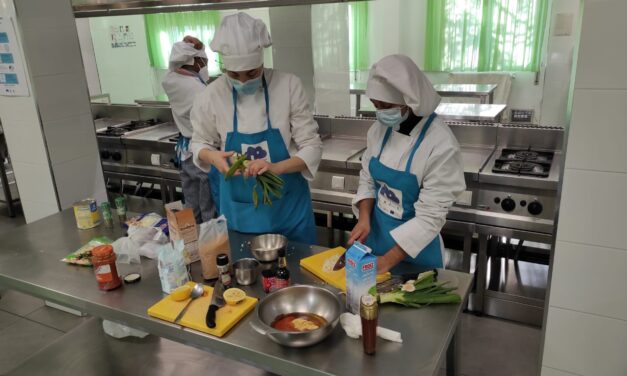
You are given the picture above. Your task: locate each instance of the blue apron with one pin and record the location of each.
(397, 191)
(292, 214)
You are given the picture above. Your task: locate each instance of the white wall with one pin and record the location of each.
(125, 73)
(88, 55)
(586, 328)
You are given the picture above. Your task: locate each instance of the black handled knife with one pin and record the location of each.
(217, 301)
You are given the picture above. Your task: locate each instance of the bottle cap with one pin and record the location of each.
(222, 259)
(368, 307)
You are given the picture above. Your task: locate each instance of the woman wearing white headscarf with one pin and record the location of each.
(264, 114)
(412, 169)
(186, 78)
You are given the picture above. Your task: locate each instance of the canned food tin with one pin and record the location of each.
(105, 208)
(86, 214)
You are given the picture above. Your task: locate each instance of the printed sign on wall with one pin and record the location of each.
(12, 77)
(122, 37)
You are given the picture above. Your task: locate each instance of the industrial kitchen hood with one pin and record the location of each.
(98, 8)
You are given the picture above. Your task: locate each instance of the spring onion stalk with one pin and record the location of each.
(427, 290)
(270, 183)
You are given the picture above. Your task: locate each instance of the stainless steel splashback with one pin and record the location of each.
(99, 8)
(353, 127)
(474, 134)
(134, 112)
(526, 135)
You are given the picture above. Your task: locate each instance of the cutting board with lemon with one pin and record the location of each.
(226, 317)
(321, 265)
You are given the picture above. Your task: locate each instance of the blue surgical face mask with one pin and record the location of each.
(392, 117)
(247, 88)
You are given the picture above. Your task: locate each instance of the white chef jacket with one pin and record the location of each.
(181, 91)
(438, 167)
(212, 118)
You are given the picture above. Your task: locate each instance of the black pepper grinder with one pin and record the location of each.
(222, 262)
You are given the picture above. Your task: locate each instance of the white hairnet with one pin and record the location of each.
(397, 79)
(240, 40)
(183, 53)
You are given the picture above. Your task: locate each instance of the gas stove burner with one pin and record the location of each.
(114, 131)
(524, 162)
(140, 124)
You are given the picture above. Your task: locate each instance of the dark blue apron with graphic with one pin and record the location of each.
(397, 191)
(292, 214)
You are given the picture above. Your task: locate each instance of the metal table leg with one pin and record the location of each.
(481, 273)
(357, 104)
(6, 188)
(453, 353)
(467, 252)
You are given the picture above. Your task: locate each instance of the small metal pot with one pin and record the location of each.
(266, 247)
(298, 298)
(246, 271)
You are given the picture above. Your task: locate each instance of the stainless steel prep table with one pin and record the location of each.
(29, 262)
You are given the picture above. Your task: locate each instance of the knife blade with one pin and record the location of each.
(339, 264)
(217, 301)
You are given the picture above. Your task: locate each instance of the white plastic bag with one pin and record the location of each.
(172, 268)
(213, 239)
(116, 330)
(148, 240)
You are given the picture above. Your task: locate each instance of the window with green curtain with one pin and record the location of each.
(485, 35)
(358, 54)
(163, 29)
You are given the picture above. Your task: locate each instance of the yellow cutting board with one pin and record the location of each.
(226, 317)
(337, 279)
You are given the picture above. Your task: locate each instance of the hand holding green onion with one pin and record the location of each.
(271, 184)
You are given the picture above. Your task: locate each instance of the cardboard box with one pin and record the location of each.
(361, 274)
(182, 226)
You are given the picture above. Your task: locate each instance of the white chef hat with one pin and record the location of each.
(183, 53)
(240, 40)
(397, 79)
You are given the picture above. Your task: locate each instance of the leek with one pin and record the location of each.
(270, 183)
(427, 291)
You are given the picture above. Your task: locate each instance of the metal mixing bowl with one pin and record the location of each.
(246, 271)
(266, 247)
(303, 299)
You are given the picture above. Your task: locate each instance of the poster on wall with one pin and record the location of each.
(12, 76)
(122, 37)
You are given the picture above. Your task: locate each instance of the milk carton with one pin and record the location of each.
(361, 274)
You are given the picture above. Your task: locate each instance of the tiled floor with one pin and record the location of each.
(489, 346)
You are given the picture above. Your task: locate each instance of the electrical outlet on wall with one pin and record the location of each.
(521, 116)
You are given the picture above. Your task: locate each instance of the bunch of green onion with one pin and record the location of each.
(426, 290)
(271, 184)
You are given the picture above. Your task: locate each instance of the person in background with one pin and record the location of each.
(251, 108)
(187, 77)
(412, 169)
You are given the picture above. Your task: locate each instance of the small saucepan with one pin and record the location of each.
(301, 299)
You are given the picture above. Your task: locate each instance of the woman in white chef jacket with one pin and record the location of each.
(264, 114)
(412, 169)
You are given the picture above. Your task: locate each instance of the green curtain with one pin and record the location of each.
(485, 35)
(163, 29)
(359, 58)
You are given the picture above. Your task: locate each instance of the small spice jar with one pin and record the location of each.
(369, 312)
(103, 259)
(224, 273)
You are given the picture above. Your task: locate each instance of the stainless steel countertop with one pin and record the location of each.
(464, 89)
(155, 133)
(474, 159)
(336, 151)
(470, 111)
(29, 262)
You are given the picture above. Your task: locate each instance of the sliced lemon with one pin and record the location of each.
(233, 296)
(181, 293)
